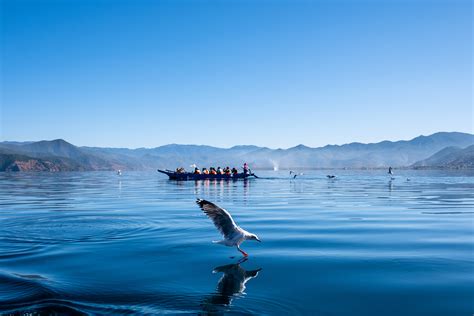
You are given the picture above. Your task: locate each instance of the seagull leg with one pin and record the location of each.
(243, 252)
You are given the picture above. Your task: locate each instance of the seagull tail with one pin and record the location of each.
(221, 242)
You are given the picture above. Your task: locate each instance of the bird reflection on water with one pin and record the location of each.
(230, 285)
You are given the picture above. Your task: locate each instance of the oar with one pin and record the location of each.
(253, 174)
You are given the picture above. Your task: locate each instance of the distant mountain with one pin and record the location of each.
(449, 157)
(55, 155)
(61, 155)
(358, 155)
(18, 162)
(57, 147)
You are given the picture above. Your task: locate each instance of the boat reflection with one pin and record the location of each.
(230, 285)
(218, 188)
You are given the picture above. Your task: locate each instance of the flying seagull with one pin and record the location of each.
(233, 234)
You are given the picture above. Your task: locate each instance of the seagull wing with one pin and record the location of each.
(220, 217)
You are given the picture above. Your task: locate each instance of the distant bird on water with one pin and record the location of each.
(330, 176)
(390, 172)
(233, 234)
(295, 174)
(119, 172)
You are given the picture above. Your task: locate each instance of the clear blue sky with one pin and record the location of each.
(272, 73)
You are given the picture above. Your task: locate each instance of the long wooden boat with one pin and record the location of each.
(173, 175)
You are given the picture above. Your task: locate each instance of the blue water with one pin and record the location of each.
(361, 244)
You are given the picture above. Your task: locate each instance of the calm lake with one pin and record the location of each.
(360, 244)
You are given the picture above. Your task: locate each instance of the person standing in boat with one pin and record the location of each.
(246, 168)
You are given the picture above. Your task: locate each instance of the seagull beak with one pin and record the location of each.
(258, 240)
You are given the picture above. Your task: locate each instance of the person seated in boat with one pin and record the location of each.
(227, 170)
(205, 171)
(197, 171)
(180, 170)
(219, 170)
(246, 168)
(234, 170)
(213, 171)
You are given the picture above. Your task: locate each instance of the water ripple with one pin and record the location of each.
(95, 243)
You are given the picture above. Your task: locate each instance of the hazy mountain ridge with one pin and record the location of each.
(19, 162)
(58, 155)
(55, 155)
(449, 157)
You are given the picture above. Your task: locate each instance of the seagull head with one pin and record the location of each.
(253, 237)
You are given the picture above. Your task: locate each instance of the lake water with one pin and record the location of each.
(361, 244)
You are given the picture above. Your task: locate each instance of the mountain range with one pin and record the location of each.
(439, 150)
(449, 157)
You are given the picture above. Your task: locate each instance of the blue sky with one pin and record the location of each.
(271, 73)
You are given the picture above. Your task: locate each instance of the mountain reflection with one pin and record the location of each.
(231, 284)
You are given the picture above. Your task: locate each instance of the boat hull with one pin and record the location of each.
(192, 176)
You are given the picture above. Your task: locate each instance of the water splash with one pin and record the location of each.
(276, 165)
